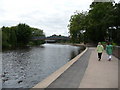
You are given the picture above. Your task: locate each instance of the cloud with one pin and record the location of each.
(50, 15)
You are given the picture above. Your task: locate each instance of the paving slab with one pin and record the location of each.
(71, 77)
(88, 72)
(100, 74)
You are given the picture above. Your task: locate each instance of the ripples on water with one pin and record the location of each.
(23, 68)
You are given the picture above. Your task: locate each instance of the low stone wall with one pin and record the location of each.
(116, 51)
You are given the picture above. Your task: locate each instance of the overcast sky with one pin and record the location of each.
(52, 16)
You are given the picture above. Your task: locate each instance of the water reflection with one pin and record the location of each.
(23, 68)
(73, 54)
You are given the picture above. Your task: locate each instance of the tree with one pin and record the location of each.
(5, 37)
(100, 18)
(77, 24)
(13, 38)
(5, 43)
(23, 34)
(96, 22)
(116, 33)
(20, 35)
(37, 33)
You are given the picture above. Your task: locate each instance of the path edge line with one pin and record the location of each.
(48, 80)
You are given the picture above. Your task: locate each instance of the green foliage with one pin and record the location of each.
(103, 43)
(116, 33)
(23, 34)
(96, 22)
(13, 37)
(36, 33)
(5, 37)
(37, 42)
(114, 44)
(20, 35)
(76, 26)
(100, 20)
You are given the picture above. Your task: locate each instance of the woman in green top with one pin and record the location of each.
(109, 50)
(100, 49)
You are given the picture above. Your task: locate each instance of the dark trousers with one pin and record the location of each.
(99, 55)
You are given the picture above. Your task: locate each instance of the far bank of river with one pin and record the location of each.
(23, 68)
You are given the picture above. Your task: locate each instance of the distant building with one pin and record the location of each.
(53, 38)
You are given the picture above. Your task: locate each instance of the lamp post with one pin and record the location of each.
(110, 32)
(82, 32)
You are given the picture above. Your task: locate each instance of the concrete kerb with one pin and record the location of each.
(47, 81)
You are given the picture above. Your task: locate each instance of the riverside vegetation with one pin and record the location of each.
(100, 24)
(20, 35)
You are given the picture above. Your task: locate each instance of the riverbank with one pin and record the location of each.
(33, 64)
(97, 74)
(31, 45)
(53, 77)
(20, 47)
(100, 74)
(75, 44)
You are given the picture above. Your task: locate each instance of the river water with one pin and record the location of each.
(24, 68)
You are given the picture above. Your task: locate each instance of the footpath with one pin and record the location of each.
(100, 74)
(86, 72)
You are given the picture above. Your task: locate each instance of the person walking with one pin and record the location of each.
(100, 50)
(109, 50)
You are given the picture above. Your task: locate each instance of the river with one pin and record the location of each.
(24, 68)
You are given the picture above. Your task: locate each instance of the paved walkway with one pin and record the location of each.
(100, 74)
(88, 72)
(72, 77)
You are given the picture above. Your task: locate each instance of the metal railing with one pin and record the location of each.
(116, 51)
